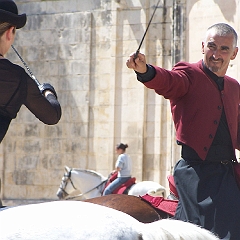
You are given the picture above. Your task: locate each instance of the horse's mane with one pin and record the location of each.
(92, 172)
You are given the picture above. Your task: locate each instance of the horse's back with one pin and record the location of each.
(66, 220)
(177, 229)
(78, 220)
(131, 205)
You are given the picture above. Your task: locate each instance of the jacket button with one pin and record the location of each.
(219, 108)
(215, 122)
(205, 149)
(210, 136)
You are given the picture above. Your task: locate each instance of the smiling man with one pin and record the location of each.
(219, 48)
(204, 104)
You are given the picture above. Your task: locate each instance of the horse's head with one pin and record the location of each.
(88, 182)
(66, 185)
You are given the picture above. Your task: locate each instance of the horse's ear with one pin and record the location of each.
(67, 169)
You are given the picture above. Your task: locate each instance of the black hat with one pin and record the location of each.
(9, 14)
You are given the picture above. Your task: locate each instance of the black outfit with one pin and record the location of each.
(17, 89)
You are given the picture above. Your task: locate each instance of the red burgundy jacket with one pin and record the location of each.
(197, 104)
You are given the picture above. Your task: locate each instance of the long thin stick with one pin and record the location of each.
(136, 54)
(26, 66)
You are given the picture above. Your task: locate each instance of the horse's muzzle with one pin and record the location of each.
(61, 194)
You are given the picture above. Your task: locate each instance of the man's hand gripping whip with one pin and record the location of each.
(136, 53)
(42, 87)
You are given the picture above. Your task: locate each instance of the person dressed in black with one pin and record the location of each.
(17, 88)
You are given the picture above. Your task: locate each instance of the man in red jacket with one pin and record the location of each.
(204, 104)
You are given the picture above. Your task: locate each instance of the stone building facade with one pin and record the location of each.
(80, 47)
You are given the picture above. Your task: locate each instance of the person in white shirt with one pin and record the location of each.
(123, 167)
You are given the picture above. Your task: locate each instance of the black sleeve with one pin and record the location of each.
(46, 109)
(148, 75)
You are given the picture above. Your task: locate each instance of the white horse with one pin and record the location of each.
(77, 220)
(91, 184)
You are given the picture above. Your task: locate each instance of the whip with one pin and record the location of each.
(26, 66)
(42, 87)
(136, 53)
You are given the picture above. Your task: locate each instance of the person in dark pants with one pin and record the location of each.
(205, 109)
(17, 88)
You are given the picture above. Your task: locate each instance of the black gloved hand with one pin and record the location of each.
(46, 86)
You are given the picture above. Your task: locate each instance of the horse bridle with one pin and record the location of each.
(67, 178)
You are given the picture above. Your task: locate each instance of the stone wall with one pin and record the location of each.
(80, 47)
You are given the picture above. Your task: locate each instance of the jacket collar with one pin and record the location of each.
(218, 80)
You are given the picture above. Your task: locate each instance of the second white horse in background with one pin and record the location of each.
(91, 184)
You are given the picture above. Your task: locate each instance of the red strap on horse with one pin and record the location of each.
(113, 176)
(166, 205)
(172, 186)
